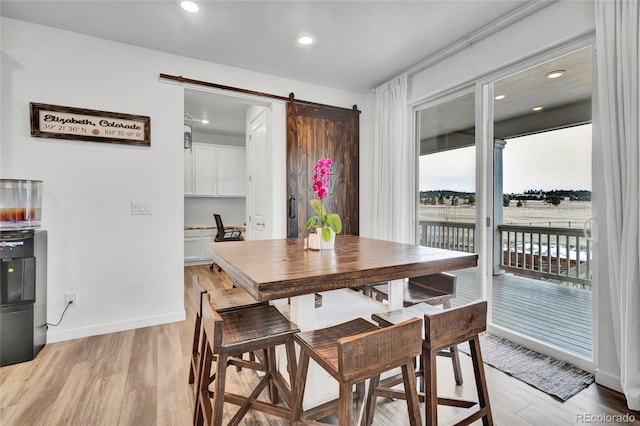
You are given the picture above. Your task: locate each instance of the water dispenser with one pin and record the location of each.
(23, 271)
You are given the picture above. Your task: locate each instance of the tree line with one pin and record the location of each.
(554, 197)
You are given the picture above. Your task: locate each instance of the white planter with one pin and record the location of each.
(328, 245)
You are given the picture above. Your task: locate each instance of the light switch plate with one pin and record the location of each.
(141, 207)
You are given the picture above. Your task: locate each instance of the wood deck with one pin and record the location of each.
(552, 313)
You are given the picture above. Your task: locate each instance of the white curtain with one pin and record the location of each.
(618, 46)
(394, 195)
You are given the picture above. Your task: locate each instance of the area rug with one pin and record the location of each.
(556, 378)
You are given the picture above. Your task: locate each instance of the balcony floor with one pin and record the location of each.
(551, 313)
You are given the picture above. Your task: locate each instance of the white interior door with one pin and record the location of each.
(257, 152)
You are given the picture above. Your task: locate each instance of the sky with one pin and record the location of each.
(560, 159)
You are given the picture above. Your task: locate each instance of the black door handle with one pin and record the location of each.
(292, 210)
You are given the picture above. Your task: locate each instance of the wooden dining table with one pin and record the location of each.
(281, 268)
(284, 269)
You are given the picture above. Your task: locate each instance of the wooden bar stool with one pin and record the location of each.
(227, 335)
(444, 329)
(435, 289)
(352, 353)
(387, 318)
(222, 301)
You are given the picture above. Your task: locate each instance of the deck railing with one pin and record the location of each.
(448, 235)
(551, 253)
(458, 236)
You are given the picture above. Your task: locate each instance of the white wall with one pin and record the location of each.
(127, 270)
(218, 139)
(200, 210)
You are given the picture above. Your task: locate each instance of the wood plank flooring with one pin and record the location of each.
(139, 377)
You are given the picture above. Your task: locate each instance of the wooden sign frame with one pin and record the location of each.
(62, 122)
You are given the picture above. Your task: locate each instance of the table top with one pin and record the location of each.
(273, 269)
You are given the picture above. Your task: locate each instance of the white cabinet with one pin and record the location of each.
(230, 171)
(206, 237)
(192, 245)
(217, 171)
(203, 168)
(195, 244)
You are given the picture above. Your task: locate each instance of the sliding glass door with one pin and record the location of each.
(542, 260)
(447, 185)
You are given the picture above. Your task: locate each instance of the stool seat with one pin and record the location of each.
(435, 289)
(353, 352)
(231, 299)
(388, 318)
(248, 329)
(323, 342)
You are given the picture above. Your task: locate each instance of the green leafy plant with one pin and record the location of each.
(326, 221)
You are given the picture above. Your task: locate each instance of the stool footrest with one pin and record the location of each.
(455, 402)
(394, 380)
(263, 406)
(330, 407)
(322, 410)
(395, 393)
(245, 363)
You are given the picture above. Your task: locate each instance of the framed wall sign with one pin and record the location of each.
(61, 122)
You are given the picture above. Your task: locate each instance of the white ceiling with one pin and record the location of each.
(226, 115)
(360, 44)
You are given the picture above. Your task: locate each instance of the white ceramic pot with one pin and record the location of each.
(328, 245)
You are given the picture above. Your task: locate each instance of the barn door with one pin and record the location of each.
(314, 132)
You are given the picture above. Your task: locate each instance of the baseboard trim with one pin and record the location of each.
(197, 262)
(77, 333)
(608, 380)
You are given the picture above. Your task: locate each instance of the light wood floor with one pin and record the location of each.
(139, 377)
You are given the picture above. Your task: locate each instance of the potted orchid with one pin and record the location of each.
(329, 224)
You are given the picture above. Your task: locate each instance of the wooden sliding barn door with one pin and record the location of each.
(314, 132)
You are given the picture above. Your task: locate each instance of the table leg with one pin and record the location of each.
(396, 294)
(303, 311)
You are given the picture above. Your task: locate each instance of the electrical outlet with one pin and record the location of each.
(71, 297)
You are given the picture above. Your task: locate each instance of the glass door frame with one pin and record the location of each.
(484, 221)
(480, 213)
(485, 227)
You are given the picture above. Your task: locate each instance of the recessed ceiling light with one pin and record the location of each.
(538, 108)
(305, 40)
(555, 74)
(204, 121)
(500, 97)
(190, 6)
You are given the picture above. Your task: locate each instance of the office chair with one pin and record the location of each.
(225, 234)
